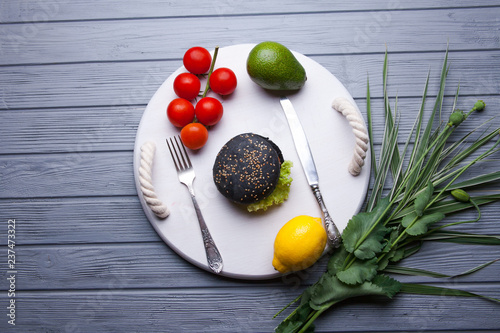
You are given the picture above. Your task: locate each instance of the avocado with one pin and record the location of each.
(274, 67)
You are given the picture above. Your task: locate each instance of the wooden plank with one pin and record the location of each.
(120, 40)
(83, 85)
(153, 265)
(102, 220)
(60, 10)
(134, 83)
(98, 220)
(70, 129)
(76, 174)
(96, 129)
(80, 174)
(242, 310)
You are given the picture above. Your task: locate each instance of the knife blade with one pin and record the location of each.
(307, 161)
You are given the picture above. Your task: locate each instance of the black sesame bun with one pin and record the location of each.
(247, 168)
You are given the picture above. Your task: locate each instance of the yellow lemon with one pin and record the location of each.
(299, 244)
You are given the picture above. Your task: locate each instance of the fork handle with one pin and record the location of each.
(332, 232)
(214, 258)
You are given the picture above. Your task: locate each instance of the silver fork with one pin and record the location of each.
(185, 173)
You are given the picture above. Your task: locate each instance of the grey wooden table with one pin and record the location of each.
(75, 77)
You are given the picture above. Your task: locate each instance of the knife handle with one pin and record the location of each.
(332, 232)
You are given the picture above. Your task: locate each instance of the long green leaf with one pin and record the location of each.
(370, 127)
(475, 269)
(396, 158)
(431, 166)
(423, 143)
(463, 238)
(471, 149)
(389, 153)
(400, 173)
(451, 206)
(412, 271)
(421, 289)
(457, 148)
(389, 146)
(479, 180)
(419, 120)
(422, 272)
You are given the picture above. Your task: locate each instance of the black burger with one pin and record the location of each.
(247, 171)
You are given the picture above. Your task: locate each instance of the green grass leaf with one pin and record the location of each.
(475, 269)
(370, 126)
(419, 121)
(421, 289)
(421, 272)
(451, 206)
(462, 238)
(396, 269)
(469, 150)
(477, 181)
(423, 141)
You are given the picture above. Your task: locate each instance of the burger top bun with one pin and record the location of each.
(247, 168)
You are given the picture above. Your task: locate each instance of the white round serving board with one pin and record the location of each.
(245, 240)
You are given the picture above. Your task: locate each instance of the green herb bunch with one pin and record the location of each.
(394, 225)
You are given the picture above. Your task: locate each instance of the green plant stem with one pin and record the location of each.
(393, 201)
(461, 222)
(404, 200)
(465, 168)
(315, 314)
(291, 314)
(212, 65)
(407, 242)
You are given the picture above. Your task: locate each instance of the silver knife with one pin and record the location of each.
(307, 161)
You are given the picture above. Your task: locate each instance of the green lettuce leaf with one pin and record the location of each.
(280, 193)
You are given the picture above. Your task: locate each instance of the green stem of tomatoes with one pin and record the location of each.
(212, 65)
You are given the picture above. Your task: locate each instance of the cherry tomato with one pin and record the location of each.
(187, 85)
(223, 81)
(180, 112)
(208, 111)
(194, 135)
(197, 60)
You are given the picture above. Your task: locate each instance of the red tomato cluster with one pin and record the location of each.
(194, 118)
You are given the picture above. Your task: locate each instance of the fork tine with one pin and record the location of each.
(171, 148)
(187, 161)
(178, 153)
